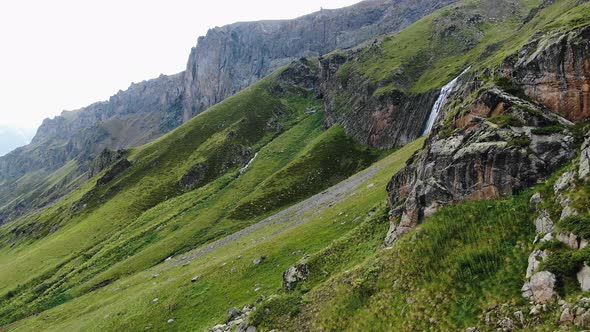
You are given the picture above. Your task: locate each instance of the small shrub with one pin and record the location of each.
(519, 142)
(506, 120)
(508, 86)
(549, 130)
(579, 225)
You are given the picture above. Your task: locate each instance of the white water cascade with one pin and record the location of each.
(243, 169)
(445, 91)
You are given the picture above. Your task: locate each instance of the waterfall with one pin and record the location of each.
(243, 169)
(445, 91)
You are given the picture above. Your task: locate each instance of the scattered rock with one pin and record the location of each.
(568, 211)
(571, 240)
(566, 316)
(583, 319)
(540, 289)
(170, 321)
(584, 278)
(584, 168)
(564, 181)
(233, 313)
(535, 259)
(519, 316)
(155, 300)
(196, 278)
(472, 329)
(259, 260)
(535, 200)
(293, 275)
(506, 323)
(543, 223)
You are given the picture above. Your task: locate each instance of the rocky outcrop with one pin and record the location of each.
(541, 288)
(554, 69)
(113, 172)
(105, 159)
(237, 320)
(232, 57)
(492, 151)
(294, 275)
(390, 119)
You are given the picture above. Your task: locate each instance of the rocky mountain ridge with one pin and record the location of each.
(225, 61)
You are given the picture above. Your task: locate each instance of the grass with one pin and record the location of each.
(461, 260)
(229, 279)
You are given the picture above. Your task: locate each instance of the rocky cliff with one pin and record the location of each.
(554, 69)
(230, 58)
(386, 120)
(497, 139)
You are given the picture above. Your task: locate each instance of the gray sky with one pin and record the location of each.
(65, 54)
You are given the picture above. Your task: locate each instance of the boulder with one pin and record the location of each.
(259, 260)
(563, 182)
(541, 288)
(293, 275)
(584, 278)
(543, 223)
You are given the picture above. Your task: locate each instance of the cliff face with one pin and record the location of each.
(555, 71)
(230, 58)
(159, 95)
(494, 142)
(387, 120)
(496, 149)
(132, 117)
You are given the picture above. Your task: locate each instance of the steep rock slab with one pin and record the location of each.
(554, 70)
(493, 152)
(387, 120)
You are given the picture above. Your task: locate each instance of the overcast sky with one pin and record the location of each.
(65, 54)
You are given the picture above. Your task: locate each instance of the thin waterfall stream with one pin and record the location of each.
(445, 91)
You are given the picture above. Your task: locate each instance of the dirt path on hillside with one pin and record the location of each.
(291, 216)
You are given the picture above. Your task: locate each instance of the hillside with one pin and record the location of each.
(223, 62)
(434, 178)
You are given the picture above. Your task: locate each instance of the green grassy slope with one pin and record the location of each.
(478, 33)
(97, 234)
(228, 276)
(96, 259)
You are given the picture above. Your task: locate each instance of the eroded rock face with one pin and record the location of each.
(387, 120)
(555, 70)
(231, 57)
(479, 160)
(115, 171)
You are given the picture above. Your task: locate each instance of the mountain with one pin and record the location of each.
(431, 178)
(224, 62)
(12, 138)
